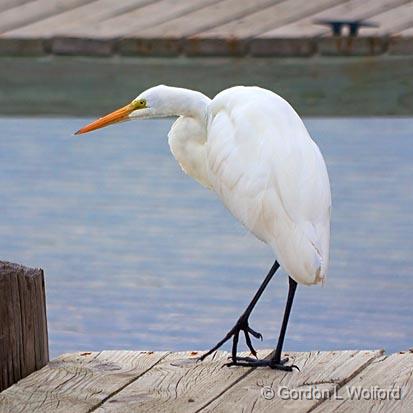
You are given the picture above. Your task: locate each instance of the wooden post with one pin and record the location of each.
(24, 344)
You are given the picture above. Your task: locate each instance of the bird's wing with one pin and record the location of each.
(272, 177)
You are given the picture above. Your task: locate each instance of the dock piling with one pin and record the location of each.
(23, 323)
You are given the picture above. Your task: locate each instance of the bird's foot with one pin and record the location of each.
(272, 363)
(241, 325)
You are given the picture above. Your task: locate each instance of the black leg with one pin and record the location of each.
(242, 323)
(276, 359)
(275, 362)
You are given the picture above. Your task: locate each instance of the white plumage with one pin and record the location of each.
(250, 147)
(254, 151)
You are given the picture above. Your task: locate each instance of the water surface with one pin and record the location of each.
(138, 256)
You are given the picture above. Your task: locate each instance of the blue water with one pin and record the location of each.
(138, 256)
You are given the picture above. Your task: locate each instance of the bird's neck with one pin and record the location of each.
(188, 135)
(185, 102)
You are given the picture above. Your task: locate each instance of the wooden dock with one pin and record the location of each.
(146, 381)
(201, 27)
(119, 48)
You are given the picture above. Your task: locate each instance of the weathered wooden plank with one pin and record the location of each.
(41, 328)
(10, 328)
(33, 11)
(385, 374)
(148, 16)
(8, 4)
(407, 32)
(127, 381)
(204, 18)
(267, 18)
(390, 22)
(23, 326)
(69, 21)
(77, 382)
(177, 385)
(264, 389)
(349, 10)
(207, 18)
(401, 45)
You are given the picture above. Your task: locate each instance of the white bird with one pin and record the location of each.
(250, 147)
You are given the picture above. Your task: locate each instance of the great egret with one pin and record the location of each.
(250, 147)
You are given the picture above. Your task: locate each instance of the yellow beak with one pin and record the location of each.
(113, 117)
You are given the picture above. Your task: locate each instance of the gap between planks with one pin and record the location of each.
(119, 381)
(217, 356)
(127, 384)
(238, 381)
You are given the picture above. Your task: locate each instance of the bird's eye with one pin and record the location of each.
(142, 102)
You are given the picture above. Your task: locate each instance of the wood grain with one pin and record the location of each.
(23, 323)
(390, 22)
(69, 21)
(268, 18)
(127, 381)
(77, 382)
(35, 10)
(8, 4)
(178, 384)
(349, 10)
(392, 372)
(152, 15)
(322, 369)
(205, 18)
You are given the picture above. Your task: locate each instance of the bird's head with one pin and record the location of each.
(155, 102)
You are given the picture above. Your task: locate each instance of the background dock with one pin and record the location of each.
(134, 381)
(200, 27)
(84, 57)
